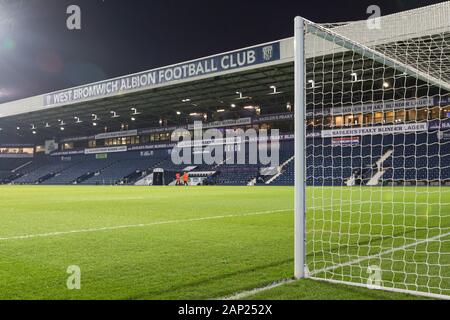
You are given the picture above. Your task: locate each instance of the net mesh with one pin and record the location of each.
(378, 160)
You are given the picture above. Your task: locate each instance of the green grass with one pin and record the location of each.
(212, 242)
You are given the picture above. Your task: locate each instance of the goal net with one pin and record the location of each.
(377, 112)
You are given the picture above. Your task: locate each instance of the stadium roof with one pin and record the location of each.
(210, 83)
(241, 77)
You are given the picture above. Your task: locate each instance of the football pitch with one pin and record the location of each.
(213, 242)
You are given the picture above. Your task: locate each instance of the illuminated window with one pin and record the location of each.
(339, 121)
(390, 117)
(379, 117)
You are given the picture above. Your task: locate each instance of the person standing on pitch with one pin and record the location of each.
(178, 177)
(186, 178)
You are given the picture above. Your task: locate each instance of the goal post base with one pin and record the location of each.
(387, 289)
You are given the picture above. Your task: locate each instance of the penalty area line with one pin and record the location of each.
(141, 225)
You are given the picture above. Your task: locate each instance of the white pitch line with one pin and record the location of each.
(245, 294)
(142, 225)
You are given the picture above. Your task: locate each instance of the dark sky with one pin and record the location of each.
(38, 54)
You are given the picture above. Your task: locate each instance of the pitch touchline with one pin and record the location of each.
(142, 225)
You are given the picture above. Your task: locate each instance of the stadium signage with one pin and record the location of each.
(16, 155)
(16, 145)
(375, 107)
(75, 139)
(404, 128)
(101, 156)
(158, 130)
(118, 134)
(153, 78)
(152, 146)
(146, 154)
(274, 117)
(439, 125)
(315, 134)
(106, 150)
(226, 123)
(353, 141)
(67, 153)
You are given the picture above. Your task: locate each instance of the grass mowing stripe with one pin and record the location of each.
(219, 258)
(143, 225)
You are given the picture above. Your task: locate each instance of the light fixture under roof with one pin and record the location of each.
(274, 90)
(179, 113)
(114, 114)
(135, 112)
(221, 110)
(186, 100)
(241, 96)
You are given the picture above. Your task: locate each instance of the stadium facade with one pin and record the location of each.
(114, 123)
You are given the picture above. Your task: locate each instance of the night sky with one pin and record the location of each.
(38, 54)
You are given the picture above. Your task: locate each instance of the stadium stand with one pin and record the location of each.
(42, 170)
(5, 174)
(79, 170)
(120, 170)
(235, 175)
(287, 176)
(416, 158)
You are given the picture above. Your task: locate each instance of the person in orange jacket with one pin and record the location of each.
(186, 178)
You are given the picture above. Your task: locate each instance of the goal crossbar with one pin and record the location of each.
(369, 53)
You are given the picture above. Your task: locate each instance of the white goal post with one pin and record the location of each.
(372, 154)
